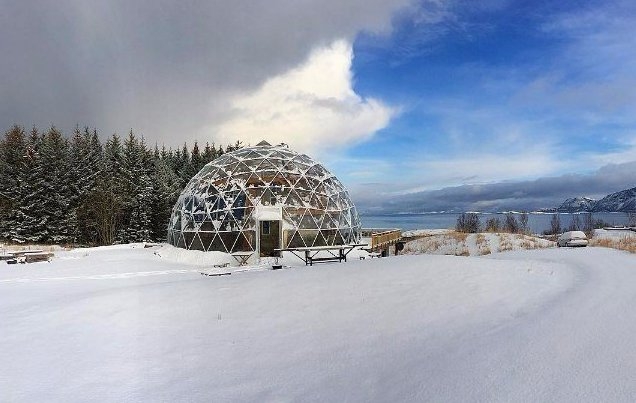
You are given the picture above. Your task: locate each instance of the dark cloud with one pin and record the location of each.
(521, 195)
(162, 67)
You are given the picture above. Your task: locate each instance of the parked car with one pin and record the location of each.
(572, 238)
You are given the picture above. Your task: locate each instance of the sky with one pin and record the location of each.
(416, 106)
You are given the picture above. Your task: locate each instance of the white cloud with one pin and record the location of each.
(486, 168)
(312, 106)
(164, 68)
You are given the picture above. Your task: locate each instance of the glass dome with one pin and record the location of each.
(263, 198)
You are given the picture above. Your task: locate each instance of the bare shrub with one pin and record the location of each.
(555, 225)
(523, 223)
(511, 224)
(588, 224)
(627, 244)
(493, 224)
(468, 222)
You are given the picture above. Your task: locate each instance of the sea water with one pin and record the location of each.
(537, 222)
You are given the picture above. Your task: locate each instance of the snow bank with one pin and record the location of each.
(194, 257)
(449, 242)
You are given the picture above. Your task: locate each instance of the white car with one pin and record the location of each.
(572, 238)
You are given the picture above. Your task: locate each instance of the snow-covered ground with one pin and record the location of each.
(126, 324)
(614, 234)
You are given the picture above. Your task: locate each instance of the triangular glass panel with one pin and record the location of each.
(293, 215)
(253, 155)
(314, 202)
(305, 197)
(302, 184)
(242, 168)
(206, 239)
(188, 237)
(309, 236)
(320, 240)
(266, 165)
(331, 205)
(314, 171)
(307, 222)
(254, 180)
(196, 243)
(338, 239)
(296, 241)
(217, 244)
(293, 199)
(268, 198)
(280, 180)
(320, 188)
(242, 243)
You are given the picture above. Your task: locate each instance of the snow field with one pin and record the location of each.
(124, 324)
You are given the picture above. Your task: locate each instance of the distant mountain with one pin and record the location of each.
(624, 201)
(576, 204)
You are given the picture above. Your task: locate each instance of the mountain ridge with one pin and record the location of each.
(623, 201)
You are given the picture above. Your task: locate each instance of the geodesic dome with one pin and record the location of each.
(261, 198)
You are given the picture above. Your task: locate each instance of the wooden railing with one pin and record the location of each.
(385, 238)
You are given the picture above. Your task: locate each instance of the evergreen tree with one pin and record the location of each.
(209, 153)
(12, 151)
(30, 215)
(196, 160)
(105, 203)
(167, 187)
(184, 170)
(55, 187)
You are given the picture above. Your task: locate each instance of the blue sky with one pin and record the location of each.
(416, 105)
(511, 91)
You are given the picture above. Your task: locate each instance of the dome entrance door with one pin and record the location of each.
(269, 237)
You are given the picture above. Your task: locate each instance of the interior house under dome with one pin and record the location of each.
(262, 198)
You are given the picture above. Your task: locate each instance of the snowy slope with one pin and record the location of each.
(576, 204)
(122, 324)
(625, 200)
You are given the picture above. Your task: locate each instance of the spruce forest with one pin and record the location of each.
(78, 190)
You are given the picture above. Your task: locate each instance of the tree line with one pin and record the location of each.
(79, 190)
(471, 223)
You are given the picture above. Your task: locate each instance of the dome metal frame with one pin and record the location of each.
(225, 205)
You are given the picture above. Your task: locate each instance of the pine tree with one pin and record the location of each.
(105, 203)
(55, 187)
(184, 169)
(167, 187)
(196, 160)
(31, 224)
(12, 151)
(91, 163)
(209, 153)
